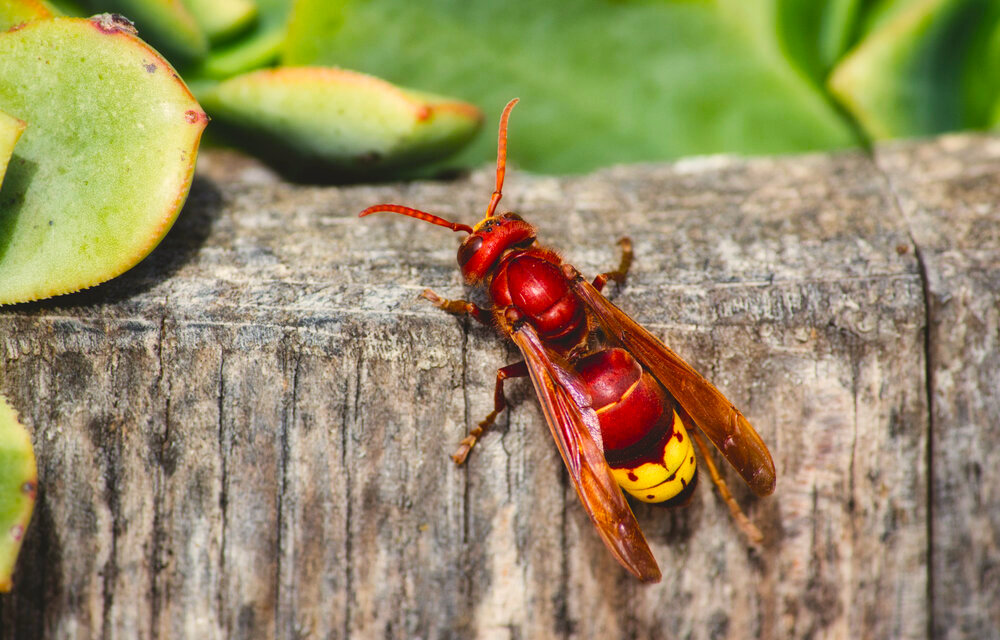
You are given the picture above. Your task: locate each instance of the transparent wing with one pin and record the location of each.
(722, 422)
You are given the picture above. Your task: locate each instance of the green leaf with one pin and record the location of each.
(816, 34)
(330, 124)
(260, 47)
(18, 487)
(105, 164)
(11, 129)
(165, 24)
(240, 56)
(923, 70)
(992, 53)
(67, 8)
(222, 19)
(877, 13)
(14, 12)
(601, 82)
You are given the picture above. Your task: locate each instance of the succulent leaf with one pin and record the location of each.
(331, 123)
(222, 19)
(15, 12)
(18, 488)
(814, 35)
(601, 82)
(11, 129)
(921, 70)
(165, 24)
(260, 47)
(100, 174)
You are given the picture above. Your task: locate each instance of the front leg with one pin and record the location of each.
(459, 307)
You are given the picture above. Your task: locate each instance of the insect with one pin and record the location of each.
(621, 405)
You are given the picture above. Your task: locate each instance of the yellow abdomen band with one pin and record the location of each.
(665, 476)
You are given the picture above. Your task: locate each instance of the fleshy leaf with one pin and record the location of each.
(877, 13)
(330, 123)
(165, 24)
(815, 34)
(600, 82)
(14, 12)
(243, 55)
(18, 488)
(11, 129)
(921, 71)
(222, 19)
(105, 164)
(259, 47)
(68, 8)
(993, 51)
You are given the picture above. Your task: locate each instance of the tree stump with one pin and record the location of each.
(248, 435)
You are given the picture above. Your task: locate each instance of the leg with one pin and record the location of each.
(744, 524)
(458, 307)
(516, 370)
(618, 275)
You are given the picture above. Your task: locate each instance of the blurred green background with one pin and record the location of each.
(605, 82)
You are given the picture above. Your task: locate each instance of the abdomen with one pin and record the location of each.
(646, 443)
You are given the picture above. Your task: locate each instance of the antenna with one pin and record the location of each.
(501, 158)
(416, 213)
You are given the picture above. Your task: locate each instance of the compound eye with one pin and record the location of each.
(510, 215)
(469, 249)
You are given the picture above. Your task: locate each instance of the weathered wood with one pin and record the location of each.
(949, 192)
(248, 434)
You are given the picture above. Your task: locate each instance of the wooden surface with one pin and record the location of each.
(248, 434)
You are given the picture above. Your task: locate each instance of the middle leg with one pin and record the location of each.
(516, 370)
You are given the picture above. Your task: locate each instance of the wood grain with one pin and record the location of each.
(247, 435)
(948, 190)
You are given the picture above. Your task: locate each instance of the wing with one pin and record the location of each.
(566, 405)
(722, 422)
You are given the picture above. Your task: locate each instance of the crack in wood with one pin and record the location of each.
(223, 440)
